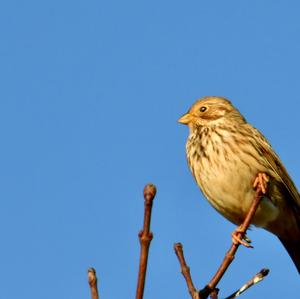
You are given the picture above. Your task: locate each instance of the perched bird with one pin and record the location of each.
(228, 157)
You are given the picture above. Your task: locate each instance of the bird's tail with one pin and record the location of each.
(293, 248)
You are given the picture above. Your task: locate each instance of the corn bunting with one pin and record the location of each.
(228, 158)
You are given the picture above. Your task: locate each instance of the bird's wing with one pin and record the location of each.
(273, 161)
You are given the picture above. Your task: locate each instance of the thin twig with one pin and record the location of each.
(185, 270)
(93, 283)
(229, 257)
(145, 237)
(256, 279)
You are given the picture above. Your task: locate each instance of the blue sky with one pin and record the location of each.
(90, 94)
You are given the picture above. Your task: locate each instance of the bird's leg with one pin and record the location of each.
(261, 181)
(237, 238)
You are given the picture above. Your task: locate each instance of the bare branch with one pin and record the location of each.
(229, 257)
(185, 270)
(145, 237)
(93, 283)
(210, 289)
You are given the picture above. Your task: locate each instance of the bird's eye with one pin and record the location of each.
(203, 108)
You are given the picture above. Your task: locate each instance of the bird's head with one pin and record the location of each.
(210, 111)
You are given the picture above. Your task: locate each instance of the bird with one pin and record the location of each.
(229, 159)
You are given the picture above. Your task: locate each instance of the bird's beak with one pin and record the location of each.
(185, 119)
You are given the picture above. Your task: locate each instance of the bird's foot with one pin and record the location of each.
(238, 238)
(261, 182)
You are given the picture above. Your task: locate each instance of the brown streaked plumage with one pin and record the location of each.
(225, 154)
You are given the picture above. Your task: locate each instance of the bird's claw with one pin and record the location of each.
(261, 181)
(238, 239)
